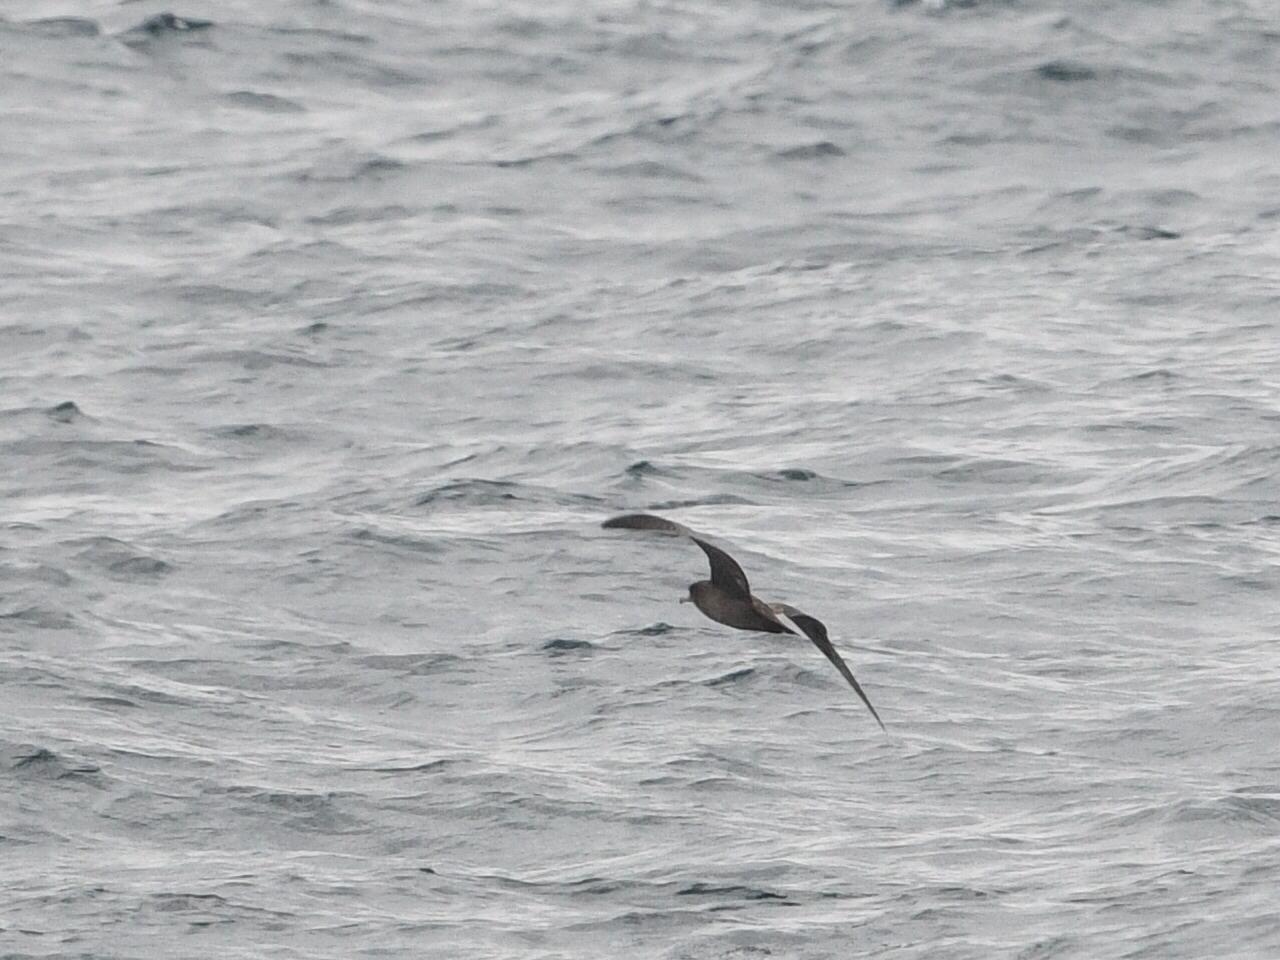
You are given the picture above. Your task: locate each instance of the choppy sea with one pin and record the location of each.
(331, 330)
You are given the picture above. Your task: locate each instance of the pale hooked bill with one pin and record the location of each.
(726, 598)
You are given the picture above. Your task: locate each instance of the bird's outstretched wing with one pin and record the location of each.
(816, 631)
(725, 572)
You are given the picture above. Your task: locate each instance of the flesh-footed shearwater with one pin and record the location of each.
(726, 598)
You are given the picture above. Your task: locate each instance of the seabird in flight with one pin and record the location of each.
(726, 598)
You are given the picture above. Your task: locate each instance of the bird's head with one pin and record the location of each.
(696, 590)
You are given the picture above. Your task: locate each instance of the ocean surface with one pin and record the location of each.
(331, 330)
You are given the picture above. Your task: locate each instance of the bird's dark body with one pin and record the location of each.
(732, 611)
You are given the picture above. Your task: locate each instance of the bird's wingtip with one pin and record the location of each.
(643, 521)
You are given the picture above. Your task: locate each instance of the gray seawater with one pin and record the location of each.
(331, 331)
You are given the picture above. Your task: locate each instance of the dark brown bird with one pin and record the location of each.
(726, 598)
